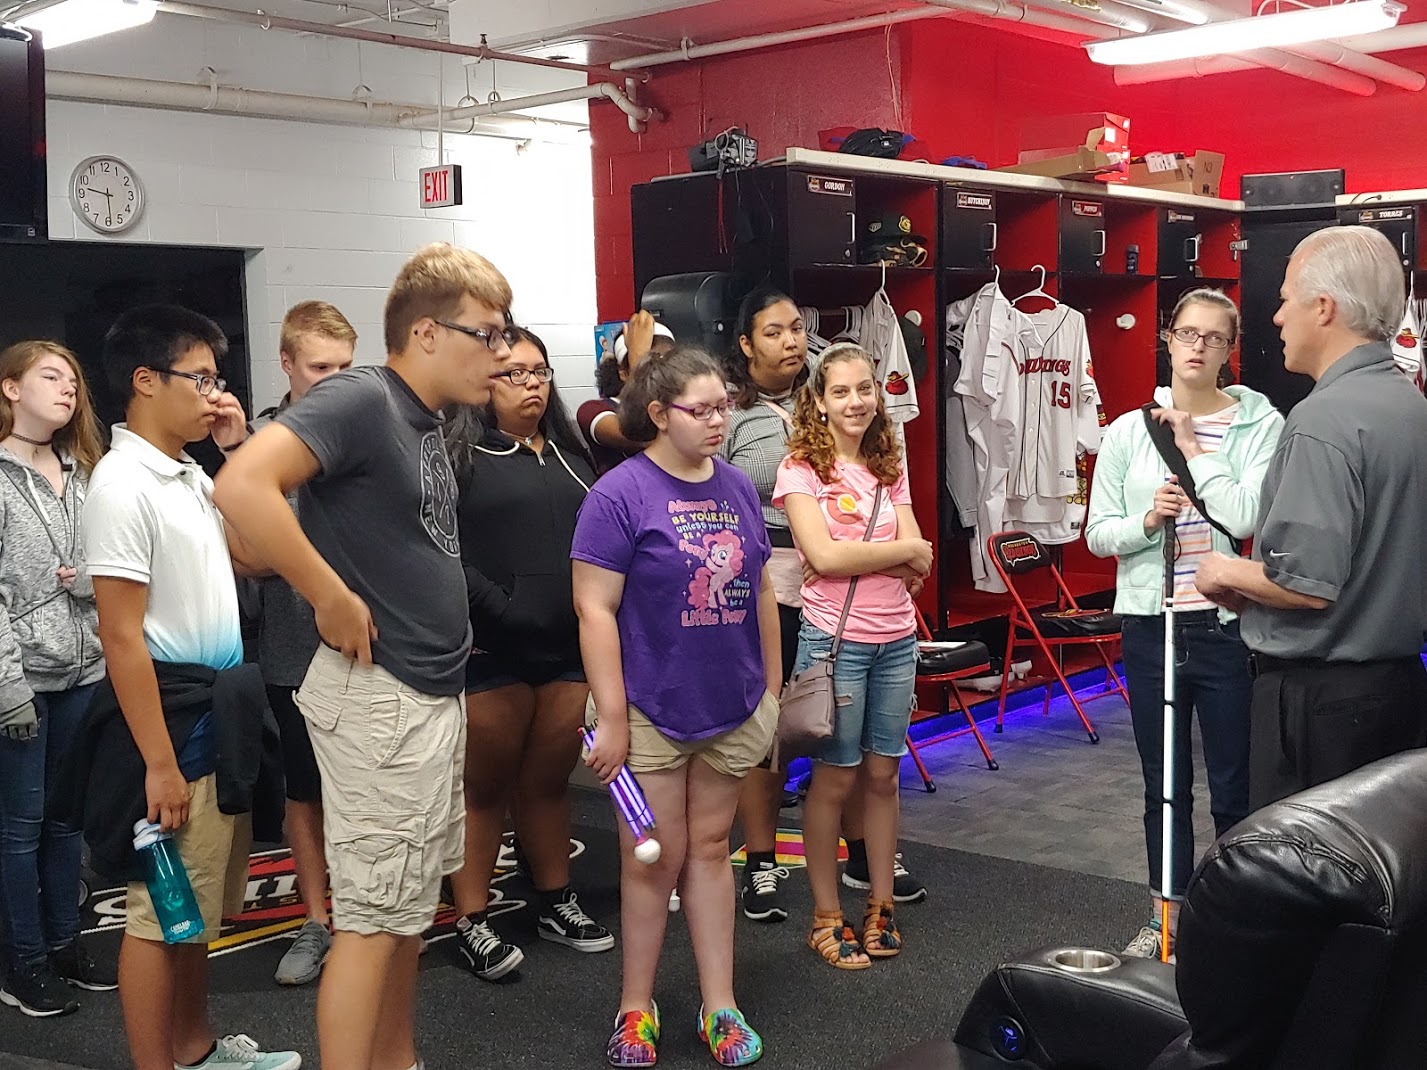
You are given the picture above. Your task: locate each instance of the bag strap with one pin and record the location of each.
(1162, 435)
(852, 585)
(782, 412)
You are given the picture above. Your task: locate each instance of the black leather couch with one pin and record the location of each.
(1302, 946)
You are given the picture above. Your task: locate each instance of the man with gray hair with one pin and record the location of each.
(1334, 598)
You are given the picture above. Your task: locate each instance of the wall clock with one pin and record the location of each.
(106, 194)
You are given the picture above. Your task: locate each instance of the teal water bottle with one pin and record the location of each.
(167, 880)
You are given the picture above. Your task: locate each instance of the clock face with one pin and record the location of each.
(106, 194)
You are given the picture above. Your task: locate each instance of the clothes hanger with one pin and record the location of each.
(1039, 291)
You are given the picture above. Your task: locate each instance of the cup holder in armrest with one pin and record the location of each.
(1085, 960)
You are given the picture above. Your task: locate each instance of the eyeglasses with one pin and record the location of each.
(492, 338)
(521, 376)
(1213, 340)
(206, 383)
(704, 413)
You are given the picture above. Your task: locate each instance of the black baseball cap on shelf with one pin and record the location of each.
(890, 226)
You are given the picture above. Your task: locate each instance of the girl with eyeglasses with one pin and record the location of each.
(1228, 435)
(679, 630)
(50, 665)
(521, 474)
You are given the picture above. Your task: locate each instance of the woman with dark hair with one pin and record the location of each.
(50, 665)
(679, 631)
(521, 482)
(642, 336)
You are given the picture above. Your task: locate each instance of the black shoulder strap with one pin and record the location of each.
(1162, 435)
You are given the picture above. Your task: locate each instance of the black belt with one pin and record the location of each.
(1259, 664)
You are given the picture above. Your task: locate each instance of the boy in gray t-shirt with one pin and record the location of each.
(377, 557)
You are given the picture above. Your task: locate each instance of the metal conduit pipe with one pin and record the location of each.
(1108, 14)
(185, 96)
(1086, 25)
(351, 33)
(637, 113)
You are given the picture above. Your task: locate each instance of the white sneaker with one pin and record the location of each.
(241, 1052)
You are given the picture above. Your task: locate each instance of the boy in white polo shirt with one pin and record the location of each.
(163, 580)
(377, 557)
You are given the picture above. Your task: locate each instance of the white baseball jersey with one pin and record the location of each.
(1407, 345)
(1060, 407)
(881, 336)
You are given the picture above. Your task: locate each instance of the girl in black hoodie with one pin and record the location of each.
(522, 474)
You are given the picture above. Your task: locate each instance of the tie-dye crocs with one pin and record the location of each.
(635, 1038)
(730, 1038)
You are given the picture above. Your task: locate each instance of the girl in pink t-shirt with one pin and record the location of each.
(841, 451)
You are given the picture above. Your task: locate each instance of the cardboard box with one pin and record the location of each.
(1095, 145)
(1199, 174)
(1082, 162)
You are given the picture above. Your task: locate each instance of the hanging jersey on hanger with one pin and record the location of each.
(881, 337)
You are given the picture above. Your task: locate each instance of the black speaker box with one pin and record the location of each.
(1291, 188)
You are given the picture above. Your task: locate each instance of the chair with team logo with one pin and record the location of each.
(941, 664)
(1017, 554)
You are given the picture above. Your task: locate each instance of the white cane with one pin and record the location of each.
(1166, 855)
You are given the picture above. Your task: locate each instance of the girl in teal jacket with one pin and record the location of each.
(1227, 435)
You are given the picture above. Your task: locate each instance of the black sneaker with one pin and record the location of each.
(905, 887)
(76, 965)
(761, 895)
(36, 990)
(562, 921)
(483, 952)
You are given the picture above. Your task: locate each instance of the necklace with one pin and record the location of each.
(31, 441)
(529, 440)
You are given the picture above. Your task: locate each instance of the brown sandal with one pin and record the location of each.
(833, 939)
(879, 930)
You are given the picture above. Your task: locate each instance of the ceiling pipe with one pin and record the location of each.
(258, 104)
(1399, 37)
(351, 33)
(1105, 13)
(637, 113)
(1271, 58)
(1335, 53)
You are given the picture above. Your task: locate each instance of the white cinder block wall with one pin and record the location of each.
(330, 212)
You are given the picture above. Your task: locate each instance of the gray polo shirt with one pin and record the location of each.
(1344, 518)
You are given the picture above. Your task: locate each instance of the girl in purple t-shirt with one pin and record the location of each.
(841, 453)
(679, 633)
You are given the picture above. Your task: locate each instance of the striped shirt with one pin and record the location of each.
(1194, 533)
(755, 443)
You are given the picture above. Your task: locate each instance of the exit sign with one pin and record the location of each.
(441, 186)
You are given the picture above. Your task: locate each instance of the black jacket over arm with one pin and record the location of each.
(100, 787)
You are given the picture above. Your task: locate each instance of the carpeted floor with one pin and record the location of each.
(558, 1011)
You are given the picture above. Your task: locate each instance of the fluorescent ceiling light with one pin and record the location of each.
(1241, 35)
(79, 20)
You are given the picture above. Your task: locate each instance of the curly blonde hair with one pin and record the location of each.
(811, 441)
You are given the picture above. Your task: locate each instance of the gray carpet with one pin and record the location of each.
(559, 1010)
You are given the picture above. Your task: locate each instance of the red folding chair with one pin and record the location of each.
(944, 664)
(1017, 554)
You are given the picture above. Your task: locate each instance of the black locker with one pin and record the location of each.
(1180, 239)
(822, 217)
(1399, 223)
(676, 228)
(968, 229)
(1082, 236)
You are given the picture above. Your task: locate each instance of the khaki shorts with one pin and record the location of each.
(394, 816)
(214, 847)
(732, 753)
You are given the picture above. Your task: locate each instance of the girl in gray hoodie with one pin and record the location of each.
(50, 664)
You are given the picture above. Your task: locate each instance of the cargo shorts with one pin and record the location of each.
(393, 810)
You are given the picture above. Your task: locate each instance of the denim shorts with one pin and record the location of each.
(874, 684)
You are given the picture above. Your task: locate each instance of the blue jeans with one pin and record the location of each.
(874, 684)
(1211, 679)
(39, 858)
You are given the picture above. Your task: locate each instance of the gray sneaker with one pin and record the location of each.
(1146, 945)
(302, 964)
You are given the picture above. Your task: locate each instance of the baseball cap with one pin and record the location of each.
(890, 226)
(621, 349)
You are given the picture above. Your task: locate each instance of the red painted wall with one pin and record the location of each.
(964, 87)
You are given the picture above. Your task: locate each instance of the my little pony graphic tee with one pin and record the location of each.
(881, 607)
(692, 557)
